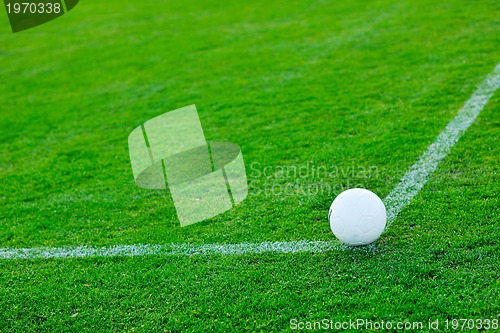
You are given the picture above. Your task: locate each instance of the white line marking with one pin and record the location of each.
(401, 196)
(182, 249)
(419, 172)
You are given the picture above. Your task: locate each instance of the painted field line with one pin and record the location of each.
(180, 249)
(419, 172)
(399, 197)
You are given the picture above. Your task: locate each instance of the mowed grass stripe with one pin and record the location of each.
(400, 197)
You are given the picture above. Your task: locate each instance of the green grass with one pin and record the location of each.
(341, 85)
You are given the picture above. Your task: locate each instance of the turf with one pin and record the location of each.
(346, 86)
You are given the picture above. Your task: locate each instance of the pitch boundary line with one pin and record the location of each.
(395, 202)
(417, 176)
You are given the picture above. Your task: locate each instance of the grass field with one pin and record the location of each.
(357, 88)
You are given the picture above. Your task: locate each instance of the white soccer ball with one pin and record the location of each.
(357, 217)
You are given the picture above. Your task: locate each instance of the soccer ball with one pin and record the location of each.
(357, 217)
